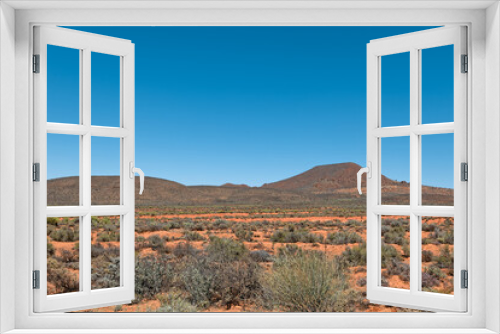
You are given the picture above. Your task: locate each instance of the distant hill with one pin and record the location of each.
(327, 179)
(325, 184)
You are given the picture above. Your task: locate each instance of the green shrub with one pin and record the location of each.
(342, 238)
(226, 250)
(172, 302)
(389, 254)
(243, 235)
(153, 275)
(308, 282)
(355, 256)
(193, 236)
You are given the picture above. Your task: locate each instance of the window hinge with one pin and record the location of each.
(36, 279)
(36, 172)
(465, 64)
(464, 169)
(36, 63)
(465, 279)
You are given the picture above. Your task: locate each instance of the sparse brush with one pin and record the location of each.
(343, 238)
(308, 282)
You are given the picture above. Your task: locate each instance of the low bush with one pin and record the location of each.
(355, 256)
(226, 250)
(173, 302)
(427, 256)
(308, 282)
(153, 275)
(261, 256)
(343, 238)
(389, 254)
(193, 236)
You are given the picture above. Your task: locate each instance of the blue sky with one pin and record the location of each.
(250, 104)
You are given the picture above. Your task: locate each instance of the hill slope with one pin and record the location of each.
(321, 185)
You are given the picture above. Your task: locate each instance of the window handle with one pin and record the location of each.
(139, 171)
(368, 171)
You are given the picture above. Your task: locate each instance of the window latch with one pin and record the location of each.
(368, 171)
(139, 171)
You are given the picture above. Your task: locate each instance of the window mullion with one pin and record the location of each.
(85, 167)
(414, 170)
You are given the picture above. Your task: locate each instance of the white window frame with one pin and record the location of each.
(482, 19)
(414, 43)
(86, 44)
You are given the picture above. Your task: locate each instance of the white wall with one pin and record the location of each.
(492, 164)
(7, 160)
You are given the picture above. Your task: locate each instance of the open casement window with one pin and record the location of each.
(73, 215)
(433, 229)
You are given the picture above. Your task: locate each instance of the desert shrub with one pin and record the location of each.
(342, 238)
(289, 250)
(293, 236)
(406, 250)
(105, 272)
(426, 227)
(193, 236)
(308, 282)
(183, 249)
(153, 275)
(428, 280)
(226, 250)
(198, 280)
(389, 253)
(433, 273)
(361, 282)
(108, 236)
(50, 249)
(445, 258)
(261, 256)
(400, 269)
(155, 242)
(65, 234)
(61, 278)
(243, 235)
(427, 256)
(52, 221)
(173, 302)
(69, 256)
(355, 256)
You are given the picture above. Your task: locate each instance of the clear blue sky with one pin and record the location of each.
(250, 104)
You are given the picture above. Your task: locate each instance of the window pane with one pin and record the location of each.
(105, 252)
(105, 90)
(395, 90)
(63, 255)
(395, 169)
(437, 85)
(63, 170)
(63, 85)
(395, 252)
(105, 171)
(437, 169)
(437, 254)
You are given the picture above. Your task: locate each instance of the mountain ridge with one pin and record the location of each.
(320, 184)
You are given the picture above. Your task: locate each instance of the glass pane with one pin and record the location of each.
(437, 254)
(395, 169)
(63, 255)
(105, 252)
(105, 90)
(63, 170)
(105, 171)
(395, 252)
(63, 85)
(437, 84)
(437, 169)
(395, 89)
